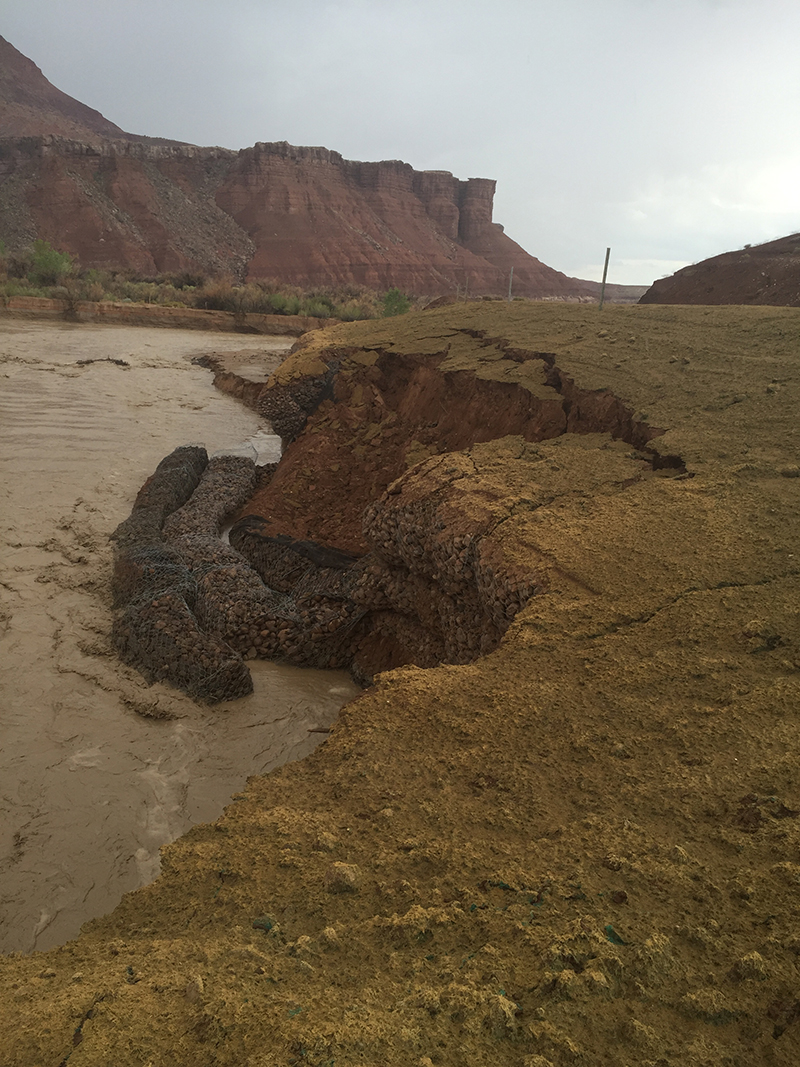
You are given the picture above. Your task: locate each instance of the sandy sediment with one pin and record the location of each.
(580, 848)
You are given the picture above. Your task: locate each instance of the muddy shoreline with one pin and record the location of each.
(90, 787)
(26, 308)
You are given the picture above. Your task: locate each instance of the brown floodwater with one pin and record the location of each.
(90, 786)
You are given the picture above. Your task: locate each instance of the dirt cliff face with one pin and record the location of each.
(757, 274)
(393, 401)
(581, 848)
(432, 585)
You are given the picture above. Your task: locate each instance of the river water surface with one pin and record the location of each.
(97, 769)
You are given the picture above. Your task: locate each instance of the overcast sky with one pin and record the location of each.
(666, 129)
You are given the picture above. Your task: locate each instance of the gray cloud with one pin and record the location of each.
(664, 128)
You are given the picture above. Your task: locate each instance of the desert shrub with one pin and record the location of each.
(395, 303)
(21, 287)
(317, 309)
(167, 294)
(286, 303)
(277, 303)
(237, 299)
(94, 291)
(18, 264)
(354, 311)
(291, 306)
(30, 273)
(188, 279)
(324, 297)
(218, 297)
(48, 266)
(263, 302)
(98, 284)
(355, 302)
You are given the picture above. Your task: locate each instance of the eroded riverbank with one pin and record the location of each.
(580, 848)
(89, 789)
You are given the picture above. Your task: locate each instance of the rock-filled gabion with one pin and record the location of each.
(232, 602)
(156, 593)
(425, 595)
(228, 481)
(325, 627)
(148, 569)
(288, 406)
(161, 637)
(191, 608)
(442, 579)
(167, 489)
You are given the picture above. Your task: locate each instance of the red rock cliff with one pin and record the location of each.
(315, 217)
(301, 215)
(120, 204)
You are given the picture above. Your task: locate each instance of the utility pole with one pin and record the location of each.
(510, 280)
(603, 283)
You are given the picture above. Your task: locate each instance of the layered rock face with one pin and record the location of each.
(121, 204)
(304, 216)
(314, 215)
(760, 274)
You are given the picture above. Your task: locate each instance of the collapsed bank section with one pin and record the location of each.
(581, 847)
(380, 539)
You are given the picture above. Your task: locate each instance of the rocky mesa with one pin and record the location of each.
(305, 216)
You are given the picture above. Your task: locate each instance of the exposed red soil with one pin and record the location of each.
(390, 409)
(758, 274)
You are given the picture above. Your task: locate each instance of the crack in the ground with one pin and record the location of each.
(580, 405)
(646, 617)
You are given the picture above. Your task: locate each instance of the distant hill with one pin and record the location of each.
(756, 274)
(31, 107)
(301, 215)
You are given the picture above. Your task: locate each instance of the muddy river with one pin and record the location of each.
(97, 769)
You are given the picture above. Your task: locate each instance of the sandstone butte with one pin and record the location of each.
(303, 216)
(583, 848)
